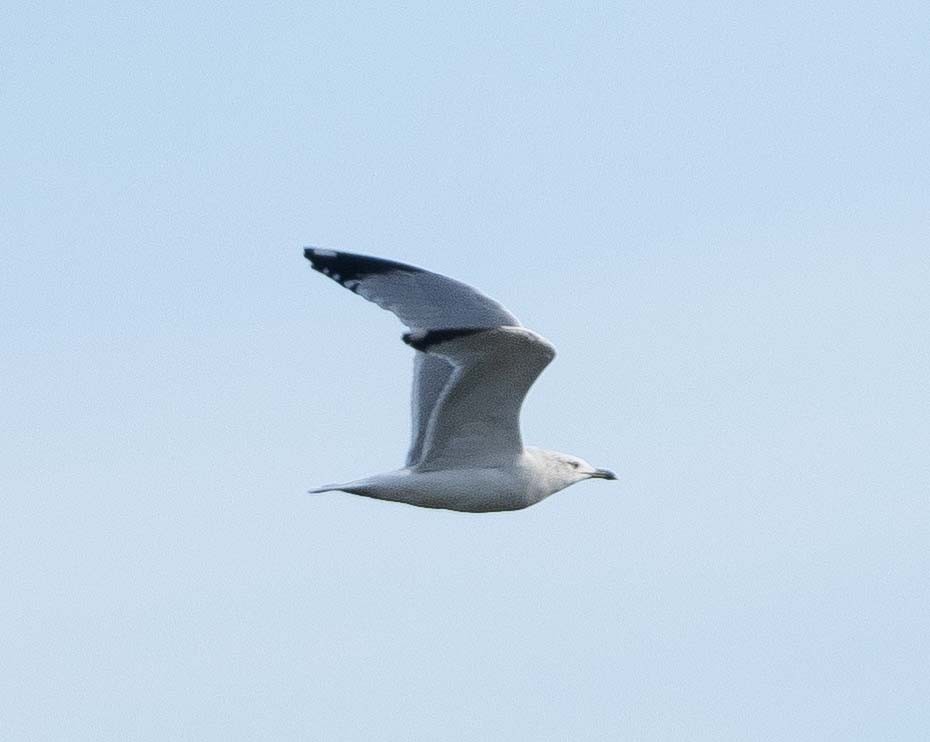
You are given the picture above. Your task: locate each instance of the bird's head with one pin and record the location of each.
(564, 469)
(581, 469)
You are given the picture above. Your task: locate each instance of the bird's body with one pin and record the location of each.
(526, 480)
(474, 365)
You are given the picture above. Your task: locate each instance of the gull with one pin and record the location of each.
(473, 366)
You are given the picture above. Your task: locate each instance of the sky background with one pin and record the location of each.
(717, 212)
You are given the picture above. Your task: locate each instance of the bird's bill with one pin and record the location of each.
(603, 474)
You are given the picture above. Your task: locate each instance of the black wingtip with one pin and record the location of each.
(424, 339)
(347, 266)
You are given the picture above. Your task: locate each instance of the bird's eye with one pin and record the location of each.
(574, 464)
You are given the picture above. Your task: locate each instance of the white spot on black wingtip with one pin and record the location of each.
(424, 339)
(319, 251)
(346, 267)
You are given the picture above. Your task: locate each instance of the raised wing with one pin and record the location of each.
(423, 301)
(476, 421)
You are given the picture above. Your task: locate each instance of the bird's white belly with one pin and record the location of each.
(471, 490)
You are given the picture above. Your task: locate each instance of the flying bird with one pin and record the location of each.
(474, 364)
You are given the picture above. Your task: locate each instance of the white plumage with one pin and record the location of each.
(474, 365)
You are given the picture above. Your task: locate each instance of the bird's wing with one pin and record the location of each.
(476, 421)
(423, 301)
(431, 373)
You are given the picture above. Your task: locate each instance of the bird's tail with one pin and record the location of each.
(326, 488)
(355, 487)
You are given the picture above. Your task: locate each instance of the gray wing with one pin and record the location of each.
(476, 421)
(424, 302)
(421, 300)
(430, 375)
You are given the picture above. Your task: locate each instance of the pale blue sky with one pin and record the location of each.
(717, 212)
